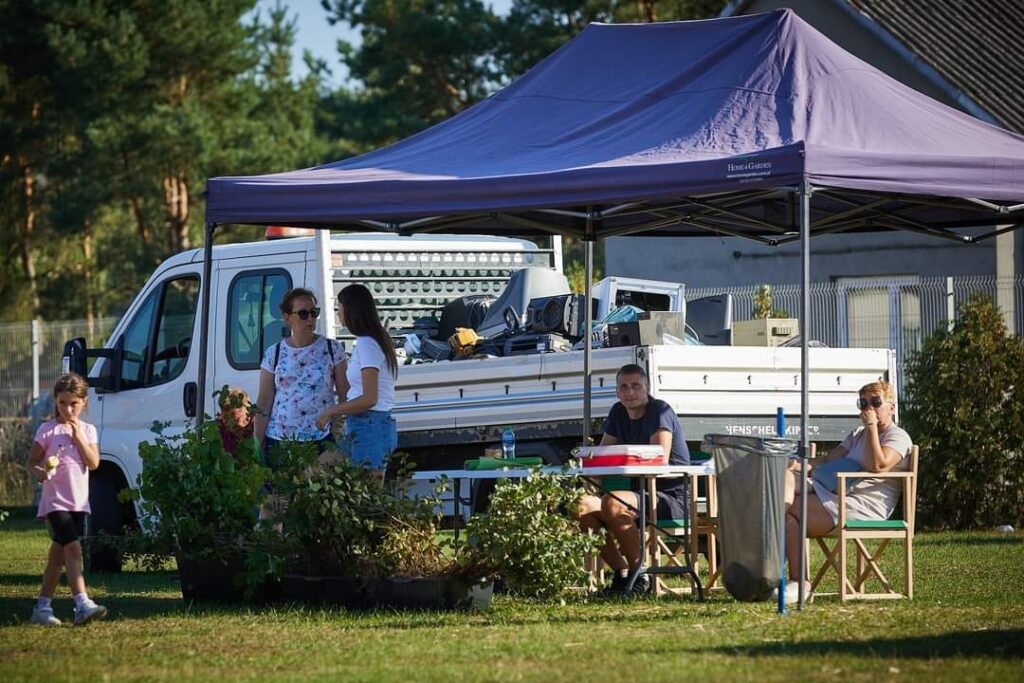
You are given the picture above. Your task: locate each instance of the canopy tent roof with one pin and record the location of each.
(672, 128)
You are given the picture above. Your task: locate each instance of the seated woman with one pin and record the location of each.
(878, 445)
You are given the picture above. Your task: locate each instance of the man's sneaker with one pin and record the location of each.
(44, 616)
(642, 585)
(617, 587)
(89, 611)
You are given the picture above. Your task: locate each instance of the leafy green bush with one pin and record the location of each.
(198, 499)
(335, 515)
(342, 519)
(528, 539)
(965, 408)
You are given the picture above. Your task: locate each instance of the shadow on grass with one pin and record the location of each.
(1000, 643)
(970, 539)
(18, 610)
(126, 582)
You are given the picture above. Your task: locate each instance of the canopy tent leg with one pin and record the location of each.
(804, 194)
(588, 321)
(204, 324)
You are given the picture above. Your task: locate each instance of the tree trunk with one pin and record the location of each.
(27, 227)
(141, 226)
(90, 298)
(648, 11)
(176, 207)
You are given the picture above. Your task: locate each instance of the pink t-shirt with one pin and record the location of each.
(68, 488)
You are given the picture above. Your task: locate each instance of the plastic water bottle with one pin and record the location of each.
(508, 443)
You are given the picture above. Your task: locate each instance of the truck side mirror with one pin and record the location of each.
(73, 358)
(76, 359)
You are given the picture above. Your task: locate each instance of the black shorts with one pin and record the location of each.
(672, 506)
(65, 527)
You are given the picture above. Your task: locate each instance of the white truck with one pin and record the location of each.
(447, 411)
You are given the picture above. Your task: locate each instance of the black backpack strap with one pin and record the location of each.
(330, 351)
(277, 354)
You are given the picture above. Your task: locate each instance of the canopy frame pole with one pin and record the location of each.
(804, 208)
(204, 324)
(1000, 230)
(588, 317)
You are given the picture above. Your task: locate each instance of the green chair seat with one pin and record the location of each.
(673, 523)
(615, 483)
(875, 524)
(699, 457)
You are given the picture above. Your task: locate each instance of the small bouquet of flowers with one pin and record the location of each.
(49, 466)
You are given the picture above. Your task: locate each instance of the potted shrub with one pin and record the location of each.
(351, 540)
(527, 538)
(419, 568)
(198, 504)
(327, 525)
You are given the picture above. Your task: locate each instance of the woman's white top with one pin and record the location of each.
(368, 354)
(869, 498)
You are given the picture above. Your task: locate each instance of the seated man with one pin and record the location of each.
(637, 418)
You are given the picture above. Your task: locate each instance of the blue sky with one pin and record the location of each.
(319, 37)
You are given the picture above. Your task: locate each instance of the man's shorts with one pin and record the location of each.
(65, 527)
(671, 506)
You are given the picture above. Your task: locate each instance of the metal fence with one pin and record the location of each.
(865, 312)
(30, 356)
(896, 313)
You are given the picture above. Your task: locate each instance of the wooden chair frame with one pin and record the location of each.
(857, 532)
(704, 524)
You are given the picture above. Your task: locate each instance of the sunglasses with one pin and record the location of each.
(874, 402)
(306, 314)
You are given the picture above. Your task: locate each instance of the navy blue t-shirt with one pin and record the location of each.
(657, 415)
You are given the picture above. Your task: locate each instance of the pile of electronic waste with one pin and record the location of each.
(535, 313)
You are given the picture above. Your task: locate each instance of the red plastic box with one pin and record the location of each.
(622, 454)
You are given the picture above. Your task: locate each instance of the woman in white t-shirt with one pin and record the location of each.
(878, 445)
(371, 434)
(300, 376)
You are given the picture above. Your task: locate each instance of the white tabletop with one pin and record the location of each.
(656, 471)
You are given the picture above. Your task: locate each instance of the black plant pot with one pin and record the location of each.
(433, 592)
(212, 580)
(350, 593)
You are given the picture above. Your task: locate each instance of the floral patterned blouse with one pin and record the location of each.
(304, 387)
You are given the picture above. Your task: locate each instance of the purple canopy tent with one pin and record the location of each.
(755, 126)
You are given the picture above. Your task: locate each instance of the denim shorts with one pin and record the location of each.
(370, 438)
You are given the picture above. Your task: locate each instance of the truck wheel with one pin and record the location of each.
(107, 519)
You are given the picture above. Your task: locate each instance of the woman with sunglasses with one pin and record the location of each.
(877, 445)
(300, 376)
(371, 434)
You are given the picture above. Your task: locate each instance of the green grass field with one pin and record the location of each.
(966, 623)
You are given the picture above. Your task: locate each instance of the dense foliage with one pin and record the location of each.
(528, 539)
(965, 409)
(198, 499)
(114, 113)
(334, 518)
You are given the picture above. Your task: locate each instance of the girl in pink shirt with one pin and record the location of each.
(64, 451)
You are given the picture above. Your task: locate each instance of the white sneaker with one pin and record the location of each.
(792, 593)
(44, 616)
(89, 611)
